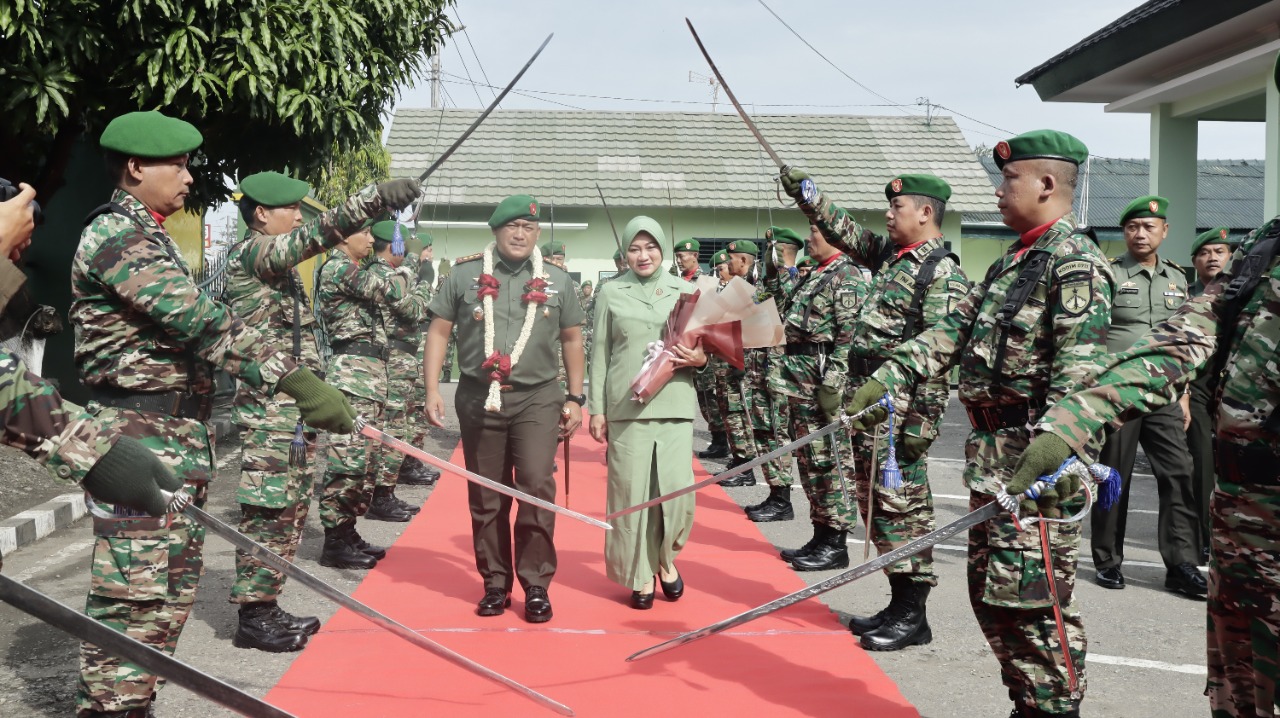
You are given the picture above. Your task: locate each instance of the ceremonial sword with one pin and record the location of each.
(616, 239)
(378, 435)
(32, 602)
(1003, 502)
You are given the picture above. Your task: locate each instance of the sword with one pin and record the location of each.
(616, 239)
(408, 449)
(566, 472)
(1003, 502)
(180, 502)
(32, 602)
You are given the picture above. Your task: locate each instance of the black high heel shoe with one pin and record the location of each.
(674, 590)
(642, 601)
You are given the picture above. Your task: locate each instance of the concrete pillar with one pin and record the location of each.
(1271, 180)
(1173, 176)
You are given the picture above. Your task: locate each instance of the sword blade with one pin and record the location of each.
(411, 450)
(751, 125)
(616, 239)
(293, 571)
(566, 472)
(68, 620)
(974, 517)
(492, 106)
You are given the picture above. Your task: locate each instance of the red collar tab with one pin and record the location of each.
(911, 248)
(159, 218)
(688, 276)
(1030, 236)
(823, 264)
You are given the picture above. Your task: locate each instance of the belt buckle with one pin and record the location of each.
(175, 403)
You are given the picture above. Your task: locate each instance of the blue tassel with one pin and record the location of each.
(891, 476)
(298, 447)
(1108, 485)
(397, 242)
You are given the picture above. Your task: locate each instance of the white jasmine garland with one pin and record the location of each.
(494, 400)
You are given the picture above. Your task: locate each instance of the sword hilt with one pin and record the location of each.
(176, 501)
(1012, 502)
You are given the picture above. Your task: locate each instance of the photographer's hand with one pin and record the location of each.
(17, 222)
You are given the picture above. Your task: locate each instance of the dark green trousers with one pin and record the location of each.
(1200, 444)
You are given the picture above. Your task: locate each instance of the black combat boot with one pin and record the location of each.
(775, 508)
(905, 622)
(829, 553)
(306, 625)
(859, 625)
(791, 554)
(131, 713)
(339, 553)
(358, 543)
(746, 478)
(416, 473)
(384, 507)
(259, 629)
(717, 449)
(405, 506)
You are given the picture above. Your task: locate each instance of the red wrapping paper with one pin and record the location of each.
(723, 339)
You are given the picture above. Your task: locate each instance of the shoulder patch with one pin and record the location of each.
(468, 258)
(1076, 294)
(1075, 266)
(955, 285)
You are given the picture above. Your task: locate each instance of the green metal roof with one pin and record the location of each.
(706, 159)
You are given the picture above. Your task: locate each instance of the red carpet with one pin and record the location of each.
(798, 662)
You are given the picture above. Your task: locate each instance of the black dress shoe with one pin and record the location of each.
(537, 605)
(1109, 577)
(1186, 579)
(642, 601)
(674, 590)
(494, 603)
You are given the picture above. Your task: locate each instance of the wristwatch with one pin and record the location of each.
(579, 399)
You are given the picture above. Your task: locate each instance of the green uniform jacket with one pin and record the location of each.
(1144, 298)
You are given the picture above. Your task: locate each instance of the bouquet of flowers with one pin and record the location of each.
(722, 323)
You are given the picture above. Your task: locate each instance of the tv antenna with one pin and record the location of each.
(715, 86)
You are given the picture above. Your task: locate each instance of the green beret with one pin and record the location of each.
(720, 257)
(551, 248)
(688, 245)
(1217, 235)
(427, 239)
(926, 185)
(517, 206)
(1149, 206)
(784, 235)
(1040, 144)
(743, 246)
(385, 231)
(648, 225)
(150, 134)
(272, 189)
(806, 262)
(585, 284)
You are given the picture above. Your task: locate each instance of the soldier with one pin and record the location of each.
(917, 281)
(554, 251)
(770, 419)
(811, 373)
(705, 380)
(412, 471)
(276, 473)
(1022, 337)
(145, 339)
(687, 259)
(731, 381)
(803, 267)
(401, 322)
(511, 310)
(1150, 290)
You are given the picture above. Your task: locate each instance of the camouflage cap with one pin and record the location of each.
(517, 206)
(1217, 235)
(551, 248)
(743, 246)
(721, 257)
(1040, 144)
(150, 134)
(921, 184)
(688, 245)
(272, 189)
(1148, 206)
(784, 235)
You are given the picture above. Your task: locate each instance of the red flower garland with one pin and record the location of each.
(488, 286)
(500, 365)
(534, 291)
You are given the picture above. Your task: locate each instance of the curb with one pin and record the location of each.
(34, 524)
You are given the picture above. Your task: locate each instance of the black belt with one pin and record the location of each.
(177, 404)
(406, 347)
(1240, 464)
(1005, 416)
(809, 349)
(862, 366)
(362, 349)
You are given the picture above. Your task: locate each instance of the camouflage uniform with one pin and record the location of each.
(770, 413)
(263, 287)
(142, 326)
(730, 383)
(1244, 568)
(1051, 343)
(347, 299)
(904, 514)
(406, 396)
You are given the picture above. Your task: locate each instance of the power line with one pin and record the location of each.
(474, 85)
(466, 35)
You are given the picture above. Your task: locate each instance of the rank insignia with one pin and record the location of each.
(896, 184)
(1002, 149)
(1153, 205)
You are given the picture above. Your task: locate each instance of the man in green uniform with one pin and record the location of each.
(276, 473)
(916, 282)
(412, 471)
(803, 267)
(145, 342)
(555, 251)
(512, 310)
(770, 412)
(731, 382)
(708, 376)
(1209, 255)
(686, 252)
(1029, 331)
(1148, 292)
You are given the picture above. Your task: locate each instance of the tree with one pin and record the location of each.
(347, 172)
(270, 83)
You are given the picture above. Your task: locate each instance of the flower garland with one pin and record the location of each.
(499, 364)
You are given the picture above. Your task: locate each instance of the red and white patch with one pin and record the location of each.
(1222, 233)
(1003, 151)
(533, 208)
(1154, 206)
(733, 246)
(896, 185)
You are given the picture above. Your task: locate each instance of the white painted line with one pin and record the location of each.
(8, 540)
(62, 554)
(1195, 670)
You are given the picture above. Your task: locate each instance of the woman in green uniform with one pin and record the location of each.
(630, 313)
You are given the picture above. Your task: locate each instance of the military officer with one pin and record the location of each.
(1150, 290)
(686, 252)
(512, 310)
(706, 380)
(916, 281)
(555, 251)
(145, 340)
(412, 471)
(276, 473)
(731, 382)
(803, 267)
(1032, 328)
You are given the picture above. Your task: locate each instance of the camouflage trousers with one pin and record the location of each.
(353, 465)
(769, 415)
(275, 499)
(406, 399)
(704, 382)
(819, 473)
(1244, 601)
(450, 351)
(729, 397)
(1008, 585)
(901, 515)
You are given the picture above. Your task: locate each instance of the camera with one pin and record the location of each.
(9, 190)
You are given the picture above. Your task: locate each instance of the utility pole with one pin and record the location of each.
(435, 81)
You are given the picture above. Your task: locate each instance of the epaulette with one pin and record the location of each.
(553, 262)
(468, 258)
(1174, 264)
(1114, 260)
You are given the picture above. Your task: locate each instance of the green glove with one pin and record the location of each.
(322, 406)
(399, 193)
(791, 180)
(131, 475)
(869, 393)
(1041, 458)
(829, 401)
(911, 448)
(413, 246)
